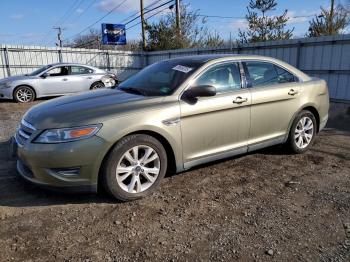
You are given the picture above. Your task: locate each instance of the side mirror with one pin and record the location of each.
(200, 91)
(44, 75)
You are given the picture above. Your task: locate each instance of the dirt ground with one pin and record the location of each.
(263, 206)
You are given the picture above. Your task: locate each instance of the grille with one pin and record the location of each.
(24, 131)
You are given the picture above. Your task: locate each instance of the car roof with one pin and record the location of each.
(71, 64)
(211, 57)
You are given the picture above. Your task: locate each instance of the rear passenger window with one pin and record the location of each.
(262, 73)
(224, 78)
(80, 70)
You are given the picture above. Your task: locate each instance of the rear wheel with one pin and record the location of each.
(97, 85)
(134, 167)
(302, 132)
(24, 94)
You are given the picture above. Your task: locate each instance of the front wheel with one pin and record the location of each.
(302, 132)
(134, 167)
(24, 94)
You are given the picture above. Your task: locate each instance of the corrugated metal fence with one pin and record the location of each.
(324, 57)
(17, 60)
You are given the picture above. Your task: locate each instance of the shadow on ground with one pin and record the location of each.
(16, 192)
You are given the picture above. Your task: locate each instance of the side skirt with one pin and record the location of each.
(234, 152)
(267, 143)
(206, 159)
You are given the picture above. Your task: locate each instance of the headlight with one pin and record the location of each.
(62, 135)
(5, 85)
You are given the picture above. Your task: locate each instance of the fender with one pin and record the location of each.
(313, 105)
(175, 147)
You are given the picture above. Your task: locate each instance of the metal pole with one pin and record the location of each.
(60, 59)
(7, 62)
(177, 10)
(59, 33)
(143, 26)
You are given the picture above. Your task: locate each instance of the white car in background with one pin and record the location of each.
(55, 80)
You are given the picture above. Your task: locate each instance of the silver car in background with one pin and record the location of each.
(55, 80)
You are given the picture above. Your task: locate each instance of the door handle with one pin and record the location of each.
(89, 77)
(293, 92)
(240, 100)
(65, 79)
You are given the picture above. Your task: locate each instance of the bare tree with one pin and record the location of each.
(263, 27)
(92, 40)
(330, 22)
(163, 35)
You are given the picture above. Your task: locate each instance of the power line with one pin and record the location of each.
(70, 12)
(100, 19)
(85, 10)
(65, 13)
(138, 12)
(94, 40)
(150, 10)
(148, 17)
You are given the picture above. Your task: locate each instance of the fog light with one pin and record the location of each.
(72, 171)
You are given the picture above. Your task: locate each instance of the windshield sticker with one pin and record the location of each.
(183, 69)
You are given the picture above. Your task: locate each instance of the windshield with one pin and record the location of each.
(40, 70)
(160, 79)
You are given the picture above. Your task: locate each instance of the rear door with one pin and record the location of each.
(81, 78)
(275, 99)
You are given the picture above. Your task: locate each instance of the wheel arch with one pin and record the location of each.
(309, 107)
(161, 138)
(314, 111)
(95, 82)
(27, 85)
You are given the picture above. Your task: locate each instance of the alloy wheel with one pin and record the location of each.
(304, 132)
(98, 86)
(138, 169)
(24, 95)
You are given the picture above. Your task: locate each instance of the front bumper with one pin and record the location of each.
(6, 93)
(323, 122)
(49, 165)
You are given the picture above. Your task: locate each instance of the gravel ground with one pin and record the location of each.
(263, 206)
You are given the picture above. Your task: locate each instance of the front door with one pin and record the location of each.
(216, 127)
(56, 81)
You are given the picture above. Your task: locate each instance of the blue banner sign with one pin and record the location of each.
(113, 34)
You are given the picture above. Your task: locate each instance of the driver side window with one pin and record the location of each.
(225, 77)
(58, 71)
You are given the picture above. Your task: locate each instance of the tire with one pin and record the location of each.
(24, 94)
(128, 181)
(302, 133)
(97, 85)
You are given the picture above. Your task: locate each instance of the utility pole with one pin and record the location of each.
(177, 10)
(143, 27)
(59, 33)
(331, 14)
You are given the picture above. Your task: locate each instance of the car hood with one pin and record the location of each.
(87, 108)
(16, 78)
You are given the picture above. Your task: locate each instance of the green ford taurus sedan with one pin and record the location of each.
(170, 116)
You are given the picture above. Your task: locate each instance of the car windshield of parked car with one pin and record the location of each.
(39, 71)
(160, 79)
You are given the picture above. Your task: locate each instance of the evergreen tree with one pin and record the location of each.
(263, 27)
(329, 22)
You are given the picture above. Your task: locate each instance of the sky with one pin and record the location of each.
(31, 22)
